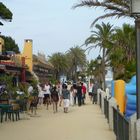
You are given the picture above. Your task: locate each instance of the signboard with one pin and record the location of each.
(135, 6)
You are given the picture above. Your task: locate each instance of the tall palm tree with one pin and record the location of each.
(76, 59)
(5, 13)
(125, 38)
(59, 62)
(113, 8)
(123, 53)
(102, 38)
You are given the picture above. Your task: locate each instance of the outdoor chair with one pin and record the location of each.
(3, 110)
(13, 112)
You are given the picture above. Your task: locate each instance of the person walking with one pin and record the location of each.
(59, 89)
(75, 93)
(55, 99)
(90, 91)
(79, 94)
(47, 95)
(84, 90)
(72, 95)
(66, 97)
(94, 90)
(40, 95)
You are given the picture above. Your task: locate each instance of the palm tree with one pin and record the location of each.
(5, 13)
(93, 69)
(76, 59)
(102, 38)
(123, 53)
(113, 8)
(59, 62)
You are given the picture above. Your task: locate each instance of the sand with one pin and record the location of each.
(81, 123)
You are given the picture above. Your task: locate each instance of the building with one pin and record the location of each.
(26, 64)
(42, 68)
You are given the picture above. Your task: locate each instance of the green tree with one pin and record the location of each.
(76, 60)
(94, 69)
(10, 44)
(112, 8)
(123, 54)
(5, 13)
(59, 61)
(102, 38)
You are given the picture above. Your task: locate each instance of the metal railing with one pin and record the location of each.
(120, 125)
(106, 108)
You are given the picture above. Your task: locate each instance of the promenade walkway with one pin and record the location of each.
(81, 123)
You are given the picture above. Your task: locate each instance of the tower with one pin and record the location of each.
(28, 53)
(1, 45)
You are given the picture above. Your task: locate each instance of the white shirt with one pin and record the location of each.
(90, 88)
(47, 89)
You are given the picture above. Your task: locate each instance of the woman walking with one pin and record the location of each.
(72, 94)
(66, 97)
(40, 95)
(55, 99)
(47, 95)
(90, 91)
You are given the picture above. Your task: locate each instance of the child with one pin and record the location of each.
(66, 96)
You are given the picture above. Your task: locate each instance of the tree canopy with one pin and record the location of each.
(5, 13)
(10, 44)
(112, 8)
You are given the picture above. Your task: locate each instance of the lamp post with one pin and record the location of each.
(101, 62)
(135, 11)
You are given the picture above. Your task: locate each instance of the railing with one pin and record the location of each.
(106, 108)
(120, 125)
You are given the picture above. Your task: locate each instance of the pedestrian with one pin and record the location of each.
(47, 95)
(30, 98)
(90, 93)
(94, 90)
(79, 93)
(66, 97)
(40, 95)
(84, 90)
(72, 95)
(55, 99)
(59, 89)
(75, 93)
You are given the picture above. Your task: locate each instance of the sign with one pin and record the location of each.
(7, 63)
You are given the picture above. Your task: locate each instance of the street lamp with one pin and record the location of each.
(99, 59)
(102, 63)
(135, 11)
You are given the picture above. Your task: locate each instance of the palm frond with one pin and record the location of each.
(107, 16)
(105, 5)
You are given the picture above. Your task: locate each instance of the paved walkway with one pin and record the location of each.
(81, 123)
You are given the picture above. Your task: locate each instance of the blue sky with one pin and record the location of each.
(53, 25)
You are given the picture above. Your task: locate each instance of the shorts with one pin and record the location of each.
(90, 94)
(66, 102)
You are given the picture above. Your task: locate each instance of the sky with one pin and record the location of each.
(52, 25)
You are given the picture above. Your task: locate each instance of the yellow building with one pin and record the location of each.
(1, 44)
(28, 53)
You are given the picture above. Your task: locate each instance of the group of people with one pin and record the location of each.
(93, 87)
(69, 93)
(66, 93)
